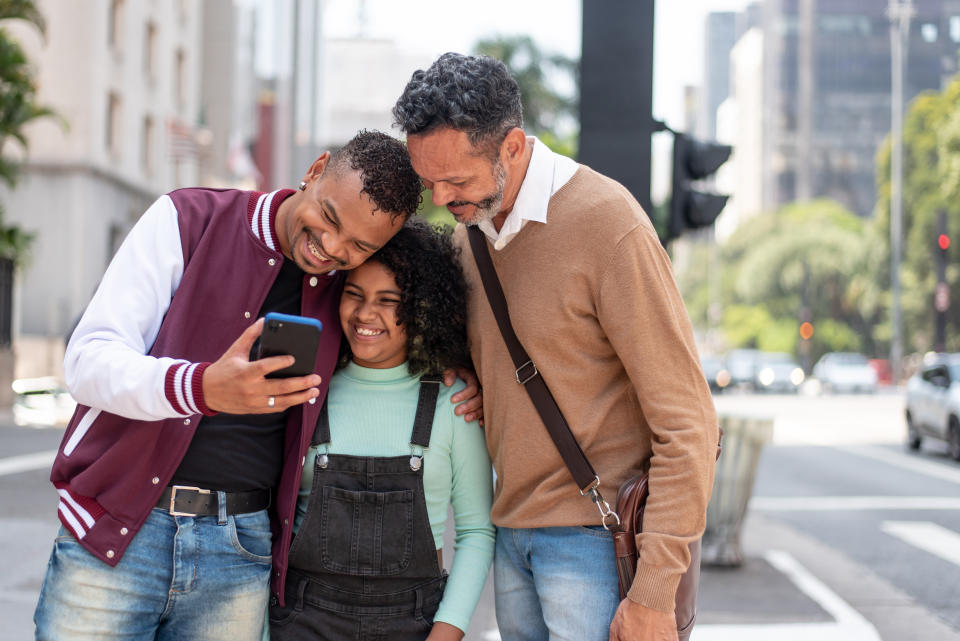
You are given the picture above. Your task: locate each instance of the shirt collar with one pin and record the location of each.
(534, 194)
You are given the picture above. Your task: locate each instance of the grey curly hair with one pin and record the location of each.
(473, 94)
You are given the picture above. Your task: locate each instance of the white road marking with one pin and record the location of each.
(848, 624)
(906, 462)
(852, 503)
(927, 536)
(27, 462)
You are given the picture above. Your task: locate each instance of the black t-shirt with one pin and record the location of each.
(239, 452)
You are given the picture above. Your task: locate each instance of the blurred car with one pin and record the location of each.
(845, 372)
(716, 374)
(743, 366)
(778, 372)
(41, 401)
(933, 403)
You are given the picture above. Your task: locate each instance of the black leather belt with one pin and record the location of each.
(186, 500)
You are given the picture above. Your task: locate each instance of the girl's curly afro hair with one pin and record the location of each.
(433, 299)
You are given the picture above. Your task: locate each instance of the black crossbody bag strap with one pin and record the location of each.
(529, 376)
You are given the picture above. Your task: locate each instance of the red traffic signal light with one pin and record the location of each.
(943, 242)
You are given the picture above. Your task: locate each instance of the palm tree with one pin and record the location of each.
(18, 106)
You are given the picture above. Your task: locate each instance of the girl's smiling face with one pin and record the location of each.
(368, 316)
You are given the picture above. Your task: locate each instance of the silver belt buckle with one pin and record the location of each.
(173, 498)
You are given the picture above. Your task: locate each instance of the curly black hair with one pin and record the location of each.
(384, 165)
(433, 297)
(473, 94)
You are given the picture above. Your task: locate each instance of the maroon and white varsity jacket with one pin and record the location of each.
(189, 278)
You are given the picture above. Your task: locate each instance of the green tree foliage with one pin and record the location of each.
(931, 183)
(806, 260)
(18, 106)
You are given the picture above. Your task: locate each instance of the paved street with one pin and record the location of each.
(848, 535)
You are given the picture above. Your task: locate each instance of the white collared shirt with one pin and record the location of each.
(546, 174)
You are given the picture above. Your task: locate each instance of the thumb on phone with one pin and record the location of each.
(244, 343)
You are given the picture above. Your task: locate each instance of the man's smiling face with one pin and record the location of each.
(331, 224)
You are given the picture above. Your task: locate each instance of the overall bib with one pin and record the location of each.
(363, 565)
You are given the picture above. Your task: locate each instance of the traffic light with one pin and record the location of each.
(694, 160)
(941, 294)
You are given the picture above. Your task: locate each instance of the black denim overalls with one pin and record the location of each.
(363, 565)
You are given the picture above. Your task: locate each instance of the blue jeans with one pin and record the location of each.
(181, 578)
(555, 583)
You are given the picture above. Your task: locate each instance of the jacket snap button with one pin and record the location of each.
(271, 262)
(124, 531)
(313, 281)
(111, 554)
(155, 480)
(246, 314)
(186, 421)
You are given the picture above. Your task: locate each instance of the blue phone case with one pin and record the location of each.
(297, 336)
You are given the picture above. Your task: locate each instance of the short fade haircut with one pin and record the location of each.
(473, 94)
(386, 173)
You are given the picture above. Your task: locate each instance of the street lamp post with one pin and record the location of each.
(899, 13)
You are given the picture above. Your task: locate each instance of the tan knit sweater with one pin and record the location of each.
(592, 298)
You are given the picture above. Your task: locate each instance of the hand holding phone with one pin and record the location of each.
(297, 336)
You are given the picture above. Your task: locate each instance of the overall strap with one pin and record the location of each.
(426, 406)
(321, 434)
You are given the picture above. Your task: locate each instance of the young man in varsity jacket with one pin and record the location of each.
(180, 468)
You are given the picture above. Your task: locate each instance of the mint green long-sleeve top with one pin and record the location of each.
(371, 414)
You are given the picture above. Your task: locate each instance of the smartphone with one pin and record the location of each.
(297, 336)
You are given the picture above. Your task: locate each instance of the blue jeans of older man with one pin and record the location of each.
(181, 578)
(555, 584)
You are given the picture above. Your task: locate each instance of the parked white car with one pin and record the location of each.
(933, 404)
(845, 372)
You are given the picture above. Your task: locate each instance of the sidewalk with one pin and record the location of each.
(792, 587)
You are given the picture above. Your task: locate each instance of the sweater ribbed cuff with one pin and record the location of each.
(183, 387)
(654, 587)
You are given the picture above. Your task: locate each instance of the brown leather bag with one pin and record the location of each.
(631, 499)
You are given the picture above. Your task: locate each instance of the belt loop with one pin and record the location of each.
(418, 612)
(221, 507)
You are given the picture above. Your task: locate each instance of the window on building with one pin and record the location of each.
(146, 145)
(149, 46)
(179, 65)
(955, 28)
(115, 24)
(929, 32)
(112, 129)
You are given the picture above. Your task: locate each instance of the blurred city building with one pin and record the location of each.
(155, 96)
(809, 87)
(149, 96)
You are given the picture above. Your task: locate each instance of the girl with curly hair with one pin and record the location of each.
(388, 458)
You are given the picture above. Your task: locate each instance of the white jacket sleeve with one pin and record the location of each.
(106, 363)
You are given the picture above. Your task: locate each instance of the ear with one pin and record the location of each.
(316, 169)
(514, 145)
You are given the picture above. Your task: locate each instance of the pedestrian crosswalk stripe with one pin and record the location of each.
(852, 503)
(27, 462)
(927, 536)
